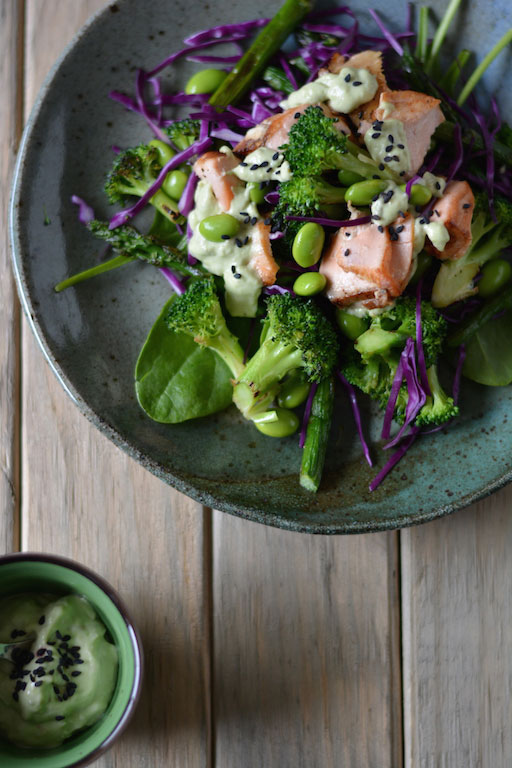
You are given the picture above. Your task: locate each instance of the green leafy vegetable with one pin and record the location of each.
(176, 379)
(489, 353)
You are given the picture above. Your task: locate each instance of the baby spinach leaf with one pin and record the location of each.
(176, 379)
(489, 353)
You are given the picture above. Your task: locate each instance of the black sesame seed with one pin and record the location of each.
(391, 138)
(400, 228)
(275, 156)
(347, 234)
(263, 184)
(59, 717)
(386, 196)
(237, 275)
(380, 228)
(436, 212)
(40, 651)
(347, 252)
(357, 82)
(375, 217)
(401, 214)
(375, 176)
(15, 696)
(243, 213)
(238, 244)
(389, 148)
(393, 237)
(58, 635)
(467, 205)
(277, 172)
(400, 146)
(50, 642)
(267, 221)
(254, 221)
(348, 78)
(246, 240)
(375, 135)
(423, 221)
(396, 158)
(264, 164)
(75, 673)
(225, 237)
(233, 268)
(254, 167)
(402, 173)
(391, 229)
(42, 620)
(361, 115)
(375, 197)
(56, 690)
(437, 185)
(269, 170)
(381, 167)
(39, 682)
(243, 164)
(297, 115)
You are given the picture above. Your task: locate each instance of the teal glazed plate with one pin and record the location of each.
(92, 334)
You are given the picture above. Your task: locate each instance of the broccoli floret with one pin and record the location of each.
(183, 133)
(439, 407)
(315, 145)
(304, 196)
(391, 329)
(372, 363)
(128, 241)
(298, 336)
(133, 173)
(454, 281)
(198, 313)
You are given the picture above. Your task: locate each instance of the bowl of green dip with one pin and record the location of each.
(70, 688)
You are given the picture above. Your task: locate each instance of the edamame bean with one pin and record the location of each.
(363, 192)
(420, 194)
(286, 424)
(165, 152)
(423, 263)
(294, 390)
(494, 276)
(174, 183)
(347, 178)
(309, 283)
(205, 81)
(256, 193)
(351, 325)
(219, 227)
(308, 243)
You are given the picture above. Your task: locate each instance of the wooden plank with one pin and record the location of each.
(306, 649)
(84, 498)
(11, 75)
(457, 619)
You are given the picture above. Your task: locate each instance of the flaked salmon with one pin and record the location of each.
(214, 167)
(262, 260)
(455, 211)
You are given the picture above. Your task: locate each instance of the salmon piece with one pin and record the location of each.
(372, 61)
(214, 167)
(273, 132)
(455, 211)
(262, 260)
(344, 288)
(402, 253)
(420, 115)
(366, 252)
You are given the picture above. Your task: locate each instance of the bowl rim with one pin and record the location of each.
(166, 474)
(133, 633)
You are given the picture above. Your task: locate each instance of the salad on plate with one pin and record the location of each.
(333, 208)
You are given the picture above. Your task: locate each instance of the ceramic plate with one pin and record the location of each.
(92, 334)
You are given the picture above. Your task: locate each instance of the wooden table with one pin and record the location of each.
(264, 649)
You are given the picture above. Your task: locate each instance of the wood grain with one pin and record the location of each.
(457, 638)
(84, 498)
(306, 649)
(11, 80)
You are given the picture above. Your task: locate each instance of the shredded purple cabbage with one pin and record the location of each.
(357, 415)
(408, 186)
(85, 212)
(226, 134)
(272, 197)
(205, 59)
(270, 290)
(307, 414)
(195, 149)
(241, 30)
(186, 202)
(393, 395)
(288, 72)
(415, 395)
(171, 278)
(187, 51)
(140, 82)
(387, 34)
(459, 154)
(395, 458)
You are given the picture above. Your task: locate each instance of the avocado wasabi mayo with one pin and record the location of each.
(64, 680)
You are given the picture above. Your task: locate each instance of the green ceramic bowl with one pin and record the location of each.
(28, 572)
(92, 334)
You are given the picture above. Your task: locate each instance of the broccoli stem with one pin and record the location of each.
(228, 348)
(479, 71)
(165, 204)
(99, 269)
(268, 41)
(317, 435)
(256, 386)
(486, 312)
(445, 133)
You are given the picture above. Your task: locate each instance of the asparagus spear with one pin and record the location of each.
(313, 455)
(268, 41)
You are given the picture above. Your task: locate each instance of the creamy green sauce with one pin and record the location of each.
(359, 310)
(343, 92)
(387, 144)
(434, 230)
(69, 674)
(389, 204)
(436, 184)
(228, 259)
(264, 164)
